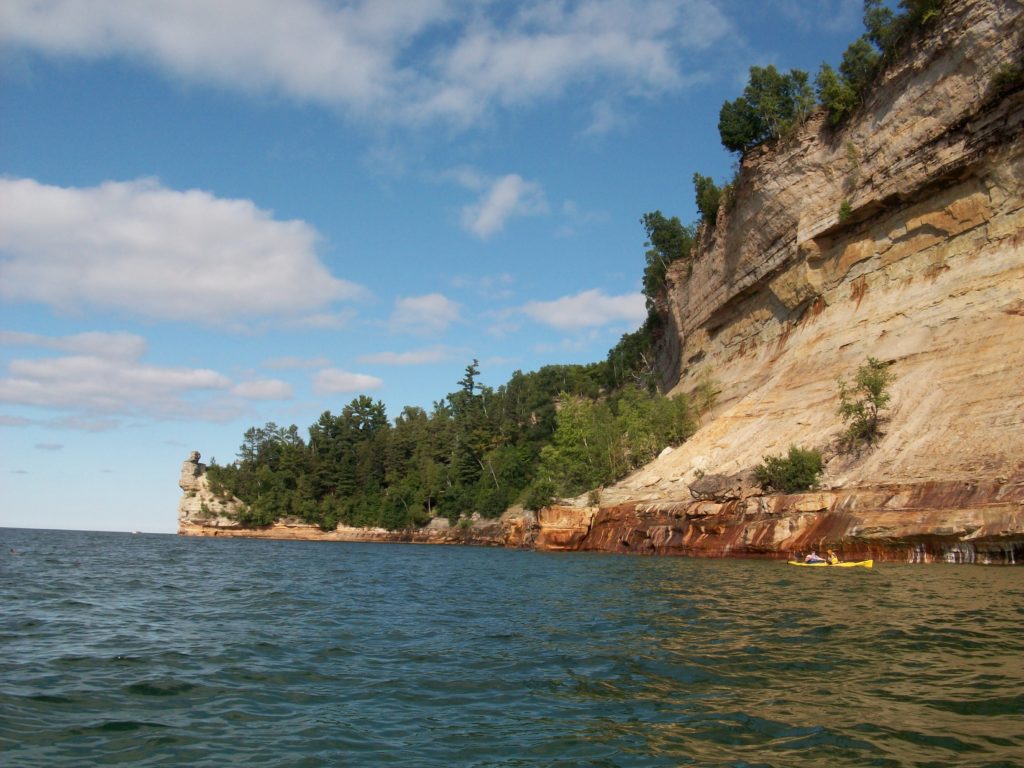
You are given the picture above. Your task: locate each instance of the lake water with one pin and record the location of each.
(119, 649)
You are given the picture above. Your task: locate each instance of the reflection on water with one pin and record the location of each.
(157, 650)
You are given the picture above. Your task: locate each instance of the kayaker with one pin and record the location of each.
(814, 557)
(833, 558)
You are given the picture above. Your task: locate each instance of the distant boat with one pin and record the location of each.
(134, 532)
(854, 564)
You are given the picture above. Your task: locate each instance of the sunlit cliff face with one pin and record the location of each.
(899, 237)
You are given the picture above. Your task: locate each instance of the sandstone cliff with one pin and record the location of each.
(200, 507)
(925, 271)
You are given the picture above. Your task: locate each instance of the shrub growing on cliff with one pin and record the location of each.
(772, 104)
(709, 197)
(797, 471)
(668, 240)
(1006, 79)
(862, 401)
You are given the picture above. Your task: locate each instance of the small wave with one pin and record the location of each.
(158, 688)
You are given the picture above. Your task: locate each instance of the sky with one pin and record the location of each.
(219, 213)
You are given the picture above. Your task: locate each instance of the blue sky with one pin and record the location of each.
(215, 214)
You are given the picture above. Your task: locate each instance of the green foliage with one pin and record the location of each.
(880, 23)
(860, 65)
(706, 393)
(838, 96)
(477, 451)
(797, 471)
(256, 516)
(862, 400)
(772, 104)
(1007, 78)
(598, 442)
(841, 93)
(631, 360)
(667, 241)
(845, 210)
(709, 197)
(540, 494)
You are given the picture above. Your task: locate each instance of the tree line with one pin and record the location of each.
(558, 431)
(774, 103)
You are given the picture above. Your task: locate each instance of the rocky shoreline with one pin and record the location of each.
(939, 522)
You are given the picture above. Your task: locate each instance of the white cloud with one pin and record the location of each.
(490, 287)
(588, 309)
(97, 387)
(114, 345)
(141, 248)
(424, 315)
(574, 219)
(330, 321)
(105, 385)
(332, 381)
(14, 421)
(386, 59)
(827, 15)
(263, 389)
(425, 356)
(292, 361)
(604, 120)
(506, 197)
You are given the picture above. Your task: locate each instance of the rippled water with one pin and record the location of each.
(160, 650)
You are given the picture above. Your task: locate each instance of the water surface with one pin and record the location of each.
(160, 650)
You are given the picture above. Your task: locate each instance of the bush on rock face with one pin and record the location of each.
(797, 471)
(862, 401)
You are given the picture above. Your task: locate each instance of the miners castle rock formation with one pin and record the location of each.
(898, 236)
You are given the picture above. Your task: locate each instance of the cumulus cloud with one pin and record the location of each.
(424, 315)
(425, 356)
(386, 60)
(503, 198)
(154, 252)
(293, 361)
(117, 345)
(104, 384)
(99, 388)
(14, 421)
(333, 381)
(263, 389)
(828, 15)
(589, 309)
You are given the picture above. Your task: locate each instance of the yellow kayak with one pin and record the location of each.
(854, 564)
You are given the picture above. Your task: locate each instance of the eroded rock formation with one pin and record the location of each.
(200, 509)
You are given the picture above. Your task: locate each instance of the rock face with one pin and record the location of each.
(924, 269)
(200, 508)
